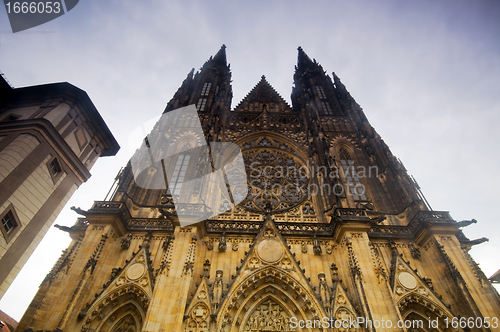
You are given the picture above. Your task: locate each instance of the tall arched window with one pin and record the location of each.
(202, 102)
(325, 105)
(188, 121)
(354, 186)
(180, 169)
(206, 89)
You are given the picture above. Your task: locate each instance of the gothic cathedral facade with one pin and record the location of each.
(331, 233)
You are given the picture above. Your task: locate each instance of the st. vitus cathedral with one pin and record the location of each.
(331, 233)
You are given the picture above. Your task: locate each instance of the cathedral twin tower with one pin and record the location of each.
(330, 233)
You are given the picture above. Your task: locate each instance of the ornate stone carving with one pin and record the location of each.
(253, 263)
(377, 263)
(269, 316)
(344, 315)
(198, 319)
(189, 263)
(286, 264)
(126, 241)
(353, 259)
(168, 241)
(409, 231)
(415, 252)
(316, 247)
(334, 270)
(127, 324)
(188, 268)
(275, 181)
(206, 269)
(222, 243)
(91, 263)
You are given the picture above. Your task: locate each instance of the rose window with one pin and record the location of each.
(277, 180)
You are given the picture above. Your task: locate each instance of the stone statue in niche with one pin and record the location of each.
(316, 246)
(324, 292)
(415, 252)
(217, 289)
(222, 243)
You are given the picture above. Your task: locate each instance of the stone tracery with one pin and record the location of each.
(277, 176)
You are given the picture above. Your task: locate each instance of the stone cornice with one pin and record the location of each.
(342, 220)
(65, 92)
(47, 130)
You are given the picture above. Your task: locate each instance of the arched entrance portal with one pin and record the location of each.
(269, 299)
(122, 310)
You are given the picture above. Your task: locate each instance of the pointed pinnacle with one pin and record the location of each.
(220, 57)
(303, 58)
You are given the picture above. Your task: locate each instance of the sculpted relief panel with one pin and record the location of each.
(268, 316)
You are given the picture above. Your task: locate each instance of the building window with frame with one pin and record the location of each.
(321, 92)
(11, 117)
(10, 223)
(202, 102)
(81, 138)
(325, 105)
(55, 169)
(180, 170)
(206, 89)
(354, 185)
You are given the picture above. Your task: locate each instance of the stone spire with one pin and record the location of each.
(220, 57)
(305, 64)
(303, 59)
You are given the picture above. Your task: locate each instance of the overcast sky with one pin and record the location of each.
(426, 73)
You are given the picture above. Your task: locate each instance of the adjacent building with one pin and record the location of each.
(50, 137)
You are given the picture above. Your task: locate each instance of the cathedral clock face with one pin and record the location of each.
(277, 180)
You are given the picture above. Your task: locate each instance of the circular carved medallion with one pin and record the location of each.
(407, 280)
(135, 271)
(270, 251)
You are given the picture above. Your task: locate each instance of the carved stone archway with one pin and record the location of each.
(126, 305)
(414, 307)
(268, 286)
